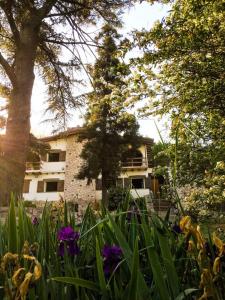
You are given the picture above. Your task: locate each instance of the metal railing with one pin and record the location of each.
(33, 166)
(135, 162)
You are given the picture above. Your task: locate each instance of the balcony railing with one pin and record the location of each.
(135, 162)
(33, 166)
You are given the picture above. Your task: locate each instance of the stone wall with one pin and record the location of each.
(75, 190)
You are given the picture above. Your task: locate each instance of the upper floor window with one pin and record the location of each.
(53, 156)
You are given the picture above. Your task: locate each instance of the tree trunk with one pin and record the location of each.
(16, 140)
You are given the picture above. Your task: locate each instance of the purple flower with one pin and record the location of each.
(35, 221)
(67, 234)
(68, 241)
(176, 229)
(112, 256)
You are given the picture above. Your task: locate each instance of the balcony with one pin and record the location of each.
(135, 163)
(33, 167)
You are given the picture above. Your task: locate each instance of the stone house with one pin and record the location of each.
(54, 177)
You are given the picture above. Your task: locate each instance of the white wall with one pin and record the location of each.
(50, 196)
(51, 167)
(59, 144)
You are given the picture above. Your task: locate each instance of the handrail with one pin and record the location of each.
(33, 165)
(134, 162)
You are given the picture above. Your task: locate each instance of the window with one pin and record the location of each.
(53, 156)
(51, 186)
(137, 183)
(26, 186)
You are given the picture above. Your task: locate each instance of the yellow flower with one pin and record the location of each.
(28, 257)
(189, 229)
(7, 258)
(185, 224)
(206, 284)
(219, 244)
(191, 246)
(26, 249)
(18, 277)
(199, 238)
(216, 265)
(37, 270)
(25, 284)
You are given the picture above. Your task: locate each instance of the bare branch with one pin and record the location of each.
(8, 69)
(70, 43)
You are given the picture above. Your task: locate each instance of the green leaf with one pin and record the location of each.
(133, 284)
(143, 289)
(154, 261)
(12, 228)
(20, 226)
(78, 282)
(171, 272)
(101, 276)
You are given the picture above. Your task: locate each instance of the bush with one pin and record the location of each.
(116, 196)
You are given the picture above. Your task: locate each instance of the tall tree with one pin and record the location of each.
(184, 64)
(33, 34)
(109, 129)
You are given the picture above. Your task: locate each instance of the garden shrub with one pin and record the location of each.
(116, 196)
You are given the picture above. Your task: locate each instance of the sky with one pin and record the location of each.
(140, 16)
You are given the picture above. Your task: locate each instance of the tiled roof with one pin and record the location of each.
(68, 132)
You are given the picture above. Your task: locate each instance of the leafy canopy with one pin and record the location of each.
(183, 66)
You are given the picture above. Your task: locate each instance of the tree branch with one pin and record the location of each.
(8, 69)
(46, 8)
(6, 6)
(70, 43)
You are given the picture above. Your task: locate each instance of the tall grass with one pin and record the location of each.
(154, 262)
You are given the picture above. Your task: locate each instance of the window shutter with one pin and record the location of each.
(127, 183)
(98, 184)
(148, 182)
(62, 156)
(26, 186)
(60, 186)
(40, 187)
(44, 157)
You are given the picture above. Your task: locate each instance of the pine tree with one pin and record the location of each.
(109, 129)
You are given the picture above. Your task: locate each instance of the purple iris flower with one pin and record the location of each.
(176, 229)
(67, 234)
(68, 241)
(35, 221)
(112, 256)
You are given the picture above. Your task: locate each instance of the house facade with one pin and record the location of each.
(54, 177)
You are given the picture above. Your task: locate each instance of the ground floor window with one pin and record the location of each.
(137, 183)
(51, 186)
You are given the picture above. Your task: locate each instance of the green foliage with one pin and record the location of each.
(116, 196)
(208, 201)
(182, 70)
